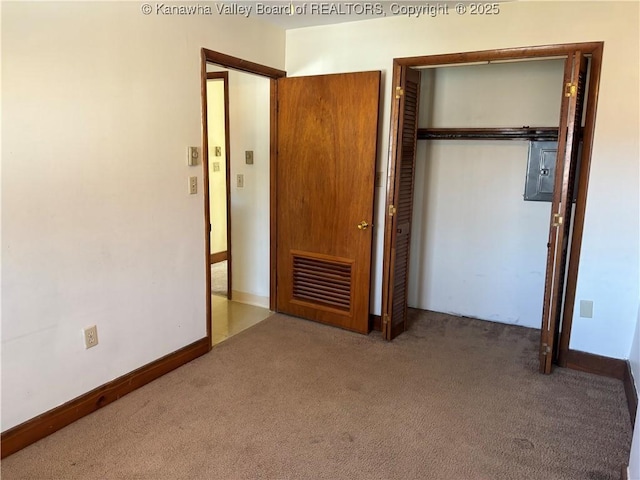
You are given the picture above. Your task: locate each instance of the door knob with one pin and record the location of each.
(363, 225)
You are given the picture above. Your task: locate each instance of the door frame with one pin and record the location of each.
(226, 255)
(238, 64)
(592, 49)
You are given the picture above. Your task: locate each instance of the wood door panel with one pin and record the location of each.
(560, 223)
(327, 140)
(396, 270)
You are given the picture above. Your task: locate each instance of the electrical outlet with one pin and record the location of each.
(193, 185)
(218, 151)
(90, 336)
(216, 166)
(240, 181)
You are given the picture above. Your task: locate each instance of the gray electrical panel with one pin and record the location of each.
(541, 171)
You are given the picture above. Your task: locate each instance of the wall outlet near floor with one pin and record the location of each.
(586, 308)
(90, 336)
(193, 185)
(240, 180)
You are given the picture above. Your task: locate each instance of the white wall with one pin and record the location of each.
(249, 116)
(609, 267)
(99, 105)
(217, 179)
(249, 129)
(478, 249)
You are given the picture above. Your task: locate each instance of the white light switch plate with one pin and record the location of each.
(192, 156)
(586, 309)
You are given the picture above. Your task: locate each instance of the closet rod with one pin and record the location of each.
(523, 133)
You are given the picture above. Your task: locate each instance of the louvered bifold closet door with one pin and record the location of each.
(560, 224)
(396, 316)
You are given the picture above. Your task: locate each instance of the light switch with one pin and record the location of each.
(240, 180)
(192, 156)
(193, 185)
(248, 157)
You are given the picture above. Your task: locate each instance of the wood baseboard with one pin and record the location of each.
(624, 473)
(218, 257)
(608, 367)
(590, 363)
(250, 299)
(49, 422)
(375, 322)
(631, 392)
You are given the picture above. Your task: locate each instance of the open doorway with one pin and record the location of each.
(219, 183)
(236, 167)
(565, 227)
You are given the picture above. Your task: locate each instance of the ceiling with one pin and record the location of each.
(290, 14)
(313, 13)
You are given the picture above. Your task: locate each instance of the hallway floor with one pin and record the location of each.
(230, 318)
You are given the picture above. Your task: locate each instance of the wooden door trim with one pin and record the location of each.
(218, 257)
(592, 49)
(235, 63)
(205, 189)
(273, 195)
(518, 53)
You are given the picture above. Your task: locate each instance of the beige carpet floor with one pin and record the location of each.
(452, 398)
(219, 278)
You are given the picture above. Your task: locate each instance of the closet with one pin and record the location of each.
(478, 249)
(462, 234)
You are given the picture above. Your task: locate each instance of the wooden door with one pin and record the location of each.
(326, 141)
(575, 76)
(400, 206)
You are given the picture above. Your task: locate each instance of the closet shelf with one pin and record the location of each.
(523, 133)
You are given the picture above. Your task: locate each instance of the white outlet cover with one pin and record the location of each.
(90, 336)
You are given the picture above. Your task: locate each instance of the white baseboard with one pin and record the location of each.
(250, 299)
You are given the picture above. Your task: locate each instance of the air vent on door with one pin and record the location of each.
(322, 282)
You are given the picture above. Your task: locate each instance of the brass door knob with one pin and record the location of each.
(363, 225)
